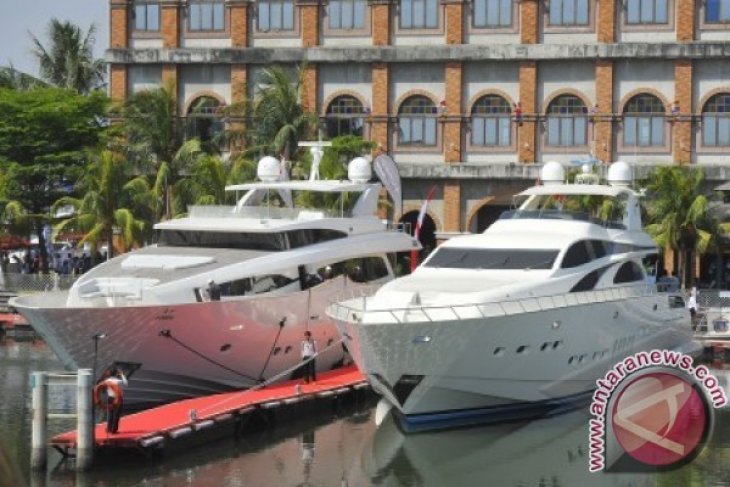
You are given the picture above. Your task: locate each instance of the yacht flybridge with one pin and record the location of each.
(523, 318)
(277, 266)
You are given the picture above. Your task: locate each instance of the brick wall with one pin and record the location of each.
(682, 137)
(118, 24)
(603, 126)
(309, 11)
(309, 88)
(528, 97)
(118, 82)
(169, 78)
(685, 20)
(529, 21)
(239, 22)
(452, 206)
(170, 17)
(606, 21)
(380, 22)
(454, 21)
(239, 93)
(452, 125)
(381, 106)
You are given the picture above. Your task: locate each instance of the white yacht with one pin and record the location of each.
(277, 267)
(522, 319)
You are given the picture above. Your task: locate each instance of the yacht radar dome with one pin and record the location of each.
(359, 171)
(620, 174)
(552, 173)
(268, 169)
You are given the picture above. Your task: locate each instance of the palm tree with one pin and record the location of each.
(108, 197)
(17, 80)
(280, 121)
(68, 61)
(680, 215)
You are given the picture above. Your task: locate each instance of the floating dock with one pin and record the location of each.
(158, 427)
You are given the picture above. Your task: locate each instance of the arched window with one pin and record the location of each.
(204, 121)
(490, 122)
(344, 116)
(567, 123)
(417, 122)
(644, 121)
(716, 121)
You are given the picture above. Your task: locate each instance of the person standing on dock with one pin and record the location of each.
(115, 399)
(309, 350)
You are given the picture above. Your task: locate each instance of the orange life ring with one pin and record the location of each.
(112, 387)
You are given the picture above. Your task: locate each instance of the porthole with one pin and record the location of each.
(544, 346)
(522, 349)
(277, 350)
(330, 342)
(225, 347)
(557, 344)
(287, 349)
(499, 351)
(571, 359)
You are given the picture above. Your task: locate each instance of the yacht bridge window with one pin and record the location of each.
(497, 259)
(271, 241)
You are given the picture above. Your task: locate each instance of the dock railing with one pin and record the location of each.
(353, 308)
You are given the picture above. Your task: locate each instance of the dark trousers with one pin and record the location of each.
(112, 420)
(310, 370)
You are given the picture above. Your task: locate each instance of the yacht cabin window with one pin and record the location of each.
(585, 251)
(628, 272)
(271, 241)
(362, 270)
(257, 284)
(496, 259)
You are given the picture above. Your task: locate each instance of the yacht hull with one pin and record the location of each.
(188, 350)
(457, 372)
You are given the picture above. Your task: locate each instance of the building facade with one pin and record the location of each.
(467, 95)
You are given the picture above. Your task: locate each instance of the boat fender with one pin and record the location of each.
(103, 387)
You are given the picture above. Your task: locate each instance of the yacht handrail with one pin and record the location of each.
(348, 309)
(265, 213)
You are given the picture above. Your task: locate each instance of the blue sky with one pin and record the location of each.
(20, 16)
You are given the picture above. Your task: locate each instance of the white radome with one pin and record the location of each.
(552, 173)
(620, 174)
(268, 169)
(359, 171)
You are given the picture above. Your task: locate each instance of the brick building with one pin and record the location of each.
(467, 95)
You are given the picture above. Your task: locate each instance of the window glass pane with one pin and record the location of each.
(712, 10)
(333, 12)
(493, 13)
(632, 11)
(477, 130)
(661, 16)
(644, 131)
(480, 12)
(581, 16)
(419, 13)
(505, 130)
(566, 131)
(288, 15)
(153, 17)
(206, 16)
(430, 131)
(471, 258)
(553, 131)
(219, 16)
(556, 12)
(579, 132)
(630, 131)
(417, 130)
(359, 15)
(140, 17)
(347, 14)
(647, 11)
(709, 130)
(275, 14)
(490, 131)
(194, 12)
(505, 13)
(263, 17)
(432, 13)
(405, 130)
(723, 131)
(406, 14)
(657, 130)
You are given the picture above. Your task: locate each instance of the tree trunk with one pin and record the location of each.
(681, 267)
(42, 247)
(110, 243)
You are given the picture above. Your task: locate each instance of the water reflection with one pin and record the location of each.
(341, 447)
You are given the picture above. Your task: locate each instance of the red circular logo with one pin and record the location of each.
(659, 418)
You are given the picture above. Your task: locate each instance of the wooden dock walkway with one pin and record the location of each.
(153, 428)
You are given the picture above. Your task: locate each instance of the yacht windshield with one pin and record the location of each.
(505, 259)
(603, 210)
(271, 241)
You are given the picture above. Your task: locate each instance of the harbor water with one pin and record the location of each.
(340, 446)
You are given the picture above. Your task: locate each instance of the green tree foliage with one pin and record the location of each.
(279, 120)
(109, 201)
(68, 59)
(44, 135)
(17, 80)
(679, 214)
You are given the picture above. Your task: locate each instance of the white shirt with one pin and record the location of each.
(309, 348)
(692, 302)
(119, 382)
